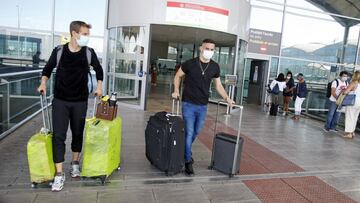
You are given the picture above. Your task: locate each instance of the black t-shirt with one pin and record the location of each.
(72, 74)
(196, 84)
(290, 84)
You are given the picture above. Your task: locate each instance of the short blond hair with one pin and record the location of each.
(356, 76)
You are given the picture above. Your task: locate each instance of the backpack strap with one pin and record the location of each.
(88, 56)
(59, 52)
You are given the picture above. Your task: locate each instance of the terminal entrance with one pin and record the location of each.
(170, 46)
(256, 77)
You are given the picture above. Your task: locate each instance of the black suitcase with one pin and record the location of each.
(274, 109)
(226, 151)
(165, 142)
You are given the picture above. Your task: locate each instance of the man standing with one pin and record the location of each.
(199, 72)
(337, 86)
(36, 59)
(70, 96)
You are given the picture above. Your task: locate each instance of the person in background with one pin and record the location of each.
(352, 112)
(288, 92)
(36, 59)
(277, 87)
(300, 95)
(337, 86)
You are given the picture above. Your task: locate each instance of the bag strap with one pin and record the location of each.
(60, 50)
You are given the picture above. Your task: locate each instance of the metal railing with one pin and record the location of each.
(19, 99)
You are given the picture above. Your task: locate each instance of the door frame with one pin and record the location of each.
(136, 77)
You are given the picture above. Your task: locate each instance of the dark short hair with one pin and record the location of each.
(280, 77)
(344, 73)
(300, 74)
(76, 25)
(208, 41)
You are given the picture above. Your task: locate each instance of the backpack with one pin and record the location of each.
(328, 90)
(91, 79)
(275, 89)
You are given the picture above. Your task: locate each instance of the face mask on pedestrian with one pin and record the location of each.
(288, 77)
(82, 41)
(344, 78)
(208, 54)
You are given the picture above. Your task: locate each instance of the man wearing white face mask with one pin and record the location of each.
(70, 96)
(337, 86)
(198, 72)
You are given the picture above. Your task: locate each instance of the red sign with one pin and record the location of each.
(198, 7)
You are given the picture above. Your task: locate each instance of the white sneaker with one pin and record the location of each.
(58, 183)
(75, 170)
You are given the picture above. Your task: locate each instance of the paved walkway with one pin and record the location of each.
(283, 161)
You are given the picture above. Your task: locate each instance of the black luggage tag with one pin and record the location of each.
(96, 122)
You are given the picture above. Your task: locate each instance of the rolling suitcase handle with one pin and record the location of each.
(177, 107)
(237, 137)
(45, 107)
(94, 109)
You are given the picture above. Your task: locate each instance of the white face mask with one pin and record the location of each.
(288, 77)
(82, 41)
(208, 54)
(344, 78)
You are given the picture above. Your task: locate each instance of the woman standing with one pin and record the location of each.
(352, 112)
(300, 94)
(277, 87)
(288, 92)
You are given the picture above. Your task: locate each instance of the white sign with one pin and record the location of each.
(197, 15)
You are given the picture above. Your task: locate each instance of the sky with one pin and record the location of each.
(299, 29)
(37, 14)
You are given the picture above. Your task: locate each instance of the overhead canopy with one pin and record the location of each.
(350, 8)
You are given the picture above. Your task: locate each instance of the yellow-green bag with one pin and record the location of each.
(101, 155)
(40, 158)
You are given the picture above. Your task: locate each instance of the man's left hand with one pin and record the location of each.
(230, 101)
(98, 92)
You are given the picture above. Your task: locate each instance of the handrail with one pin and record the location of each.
(20, 73)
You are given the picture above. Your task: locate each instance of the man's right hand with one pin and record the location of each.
(42, 89)
(175, 95)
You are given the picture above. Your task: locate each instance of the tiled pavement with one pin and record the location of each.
(272, 144)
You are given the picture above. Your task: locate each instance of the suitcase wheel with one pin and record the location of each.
(231, 175)
(33, 185)
(210, 167)
(102, 179)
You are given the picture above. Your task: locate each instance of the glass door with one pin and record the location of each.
(127, 64)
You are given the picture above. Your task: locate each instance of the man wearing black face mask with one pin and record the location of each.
(199, 73)
(70, 96)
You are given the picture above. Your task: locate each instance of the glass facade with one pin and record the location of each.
(126, 60)
(19, 46)
(313, 43)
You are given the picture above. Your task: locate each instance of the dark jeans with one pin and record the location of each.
(65, 112)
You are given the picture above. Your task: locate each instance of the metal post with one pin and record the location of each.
(7, 104)
(345, 41)
(53, 24)
(308, 102)
(357, 52)
(18, 25)
(282, 36)
(243, 83)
